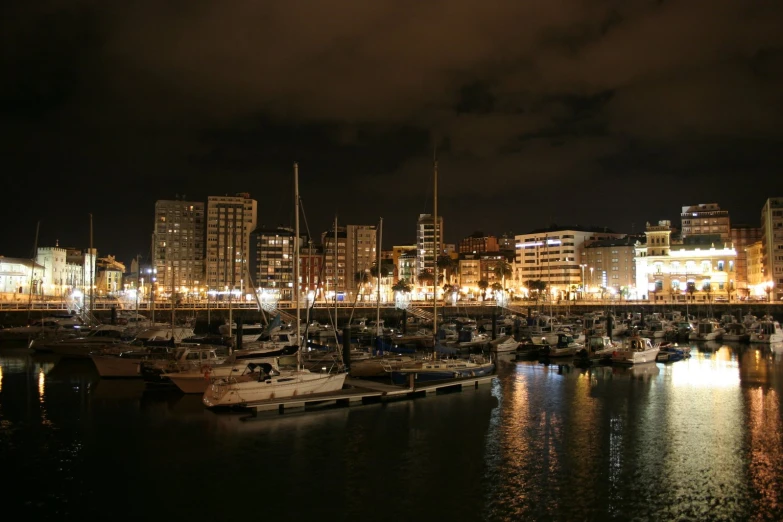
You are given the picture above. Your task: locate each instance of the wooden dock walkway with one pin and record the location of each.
(361, 391)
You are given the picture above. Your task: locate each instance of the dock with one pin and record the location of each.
(360, 391)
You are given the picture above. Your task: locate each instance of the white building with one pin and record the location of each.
(691, 271)
(429, 243)
(554, 255)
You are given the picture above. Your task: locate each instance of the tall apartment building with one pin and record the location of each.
(361, 254)
(742, 236)
(335, 245)
(230, 220)
(311, 275)
(772, 244)
(429, 242)
(178, 247)
(706, 218)
(554, 255)
(478, 242)
(271, 262)
(755, 268)
(609, 264)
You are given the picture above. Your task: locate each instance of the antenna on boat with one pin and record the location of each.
(296, 265)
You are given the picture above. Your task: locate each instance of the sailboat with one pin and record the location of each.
(435, 369)
(268, 382)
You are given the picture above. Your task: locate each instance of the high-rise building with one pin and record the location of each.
(742, 236)
(361, 253)
(772, 245)
(178, 248)
(613, 260)
(271, 262)
(755, 269)
(429, 243)
(706, 218)
(335, 278)
(230, 220)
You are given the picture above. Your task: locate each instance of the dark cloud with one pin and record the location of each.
(592, 111)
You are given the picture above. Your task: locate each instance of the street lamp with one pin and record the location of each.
(583, 279)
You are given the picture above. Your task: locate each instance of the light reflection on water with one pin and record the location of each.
(695, 439)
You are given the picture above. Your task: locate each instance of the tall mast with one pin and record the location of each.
(32, 272)
(92, 274)
(378, 329)
(296, 264)
(334, 267)
(435, 251)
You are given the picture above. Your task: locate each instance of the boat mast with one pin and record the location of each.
(32, 272)
(296, 265)
(435, 252)
(378, 329)
(92, 274)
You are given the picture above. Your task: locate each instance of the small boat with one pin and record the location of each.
(442, 369)
(707, 330)
(126, 364)
(504, 344)
(736, 332)
(766, 331)
(635, 350)
(101, 337)
(565, 346)
(379, 366)
(669, 352)
(599, 348)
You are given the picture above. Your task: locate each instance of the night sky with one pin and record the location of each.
(590, 112)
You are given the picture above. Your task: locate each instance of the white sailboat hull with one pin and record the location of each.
(288, 384)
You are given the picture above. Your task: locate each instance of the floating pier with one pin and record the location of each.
(360, 391)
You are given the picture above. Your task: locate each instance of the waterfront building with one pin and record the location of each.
(20, 277)
(742, 236)
(772, 245)
(700, 269)
(478, 242)
(361, 256)
(406, 265)
(178, 248)
(334, 246)
(271, 262)
(108, 277)
(705, 219)
(59, 278)
(553, 256)
(230, 220)
(755, 267)
(396, 252)
(608, 266)
(429, 243)
(469, 274)
(311, 258)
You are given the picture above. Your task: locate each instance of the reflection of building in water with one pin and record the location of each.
(765, 457)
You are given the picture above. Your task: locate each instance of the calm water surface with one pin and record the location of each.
(693, 440)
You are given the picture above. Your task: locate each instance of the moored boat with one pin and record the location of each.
(635, 350)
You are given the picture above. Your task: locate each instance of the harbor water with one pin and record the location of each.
(698, 439)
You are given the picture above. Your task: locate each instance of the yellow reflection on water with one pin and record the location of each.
(766, 457)
(707, 370)
(41, 380)
(1, 378)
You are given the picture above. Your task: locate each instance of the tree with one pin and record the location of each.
(483, 285)
(537, 286)
(445, 266)
(426, 277)
(502, 270)
(707, 287)
(401, 286)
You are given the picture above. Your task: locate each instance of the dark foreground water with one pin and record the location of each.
(693, 440)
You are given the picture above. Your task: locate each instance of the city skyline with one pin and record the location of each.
(605, 114)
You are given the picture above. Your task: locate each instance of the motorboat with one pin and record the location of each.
(186, 357)
(437, 369)
(707, 330)
(599, 348)
(635, 350)
(126, 364)
(80, 347)
(197, 380)
(766, 331)
(565, 346)
(669, 352)
(50, 327)
(736, 332)
(504, 344)
(379, 366)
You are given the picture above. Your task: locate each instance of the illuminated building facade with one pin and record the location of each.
(178, 247)
(271, 261)
(742, 236)
(772, 245)
(699, 270)
(230, 220)
(611, 261)
(429, 243)
(554, 255)
(478, 242)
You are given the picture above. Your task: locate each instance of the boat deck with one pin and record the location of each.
(359, 391)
